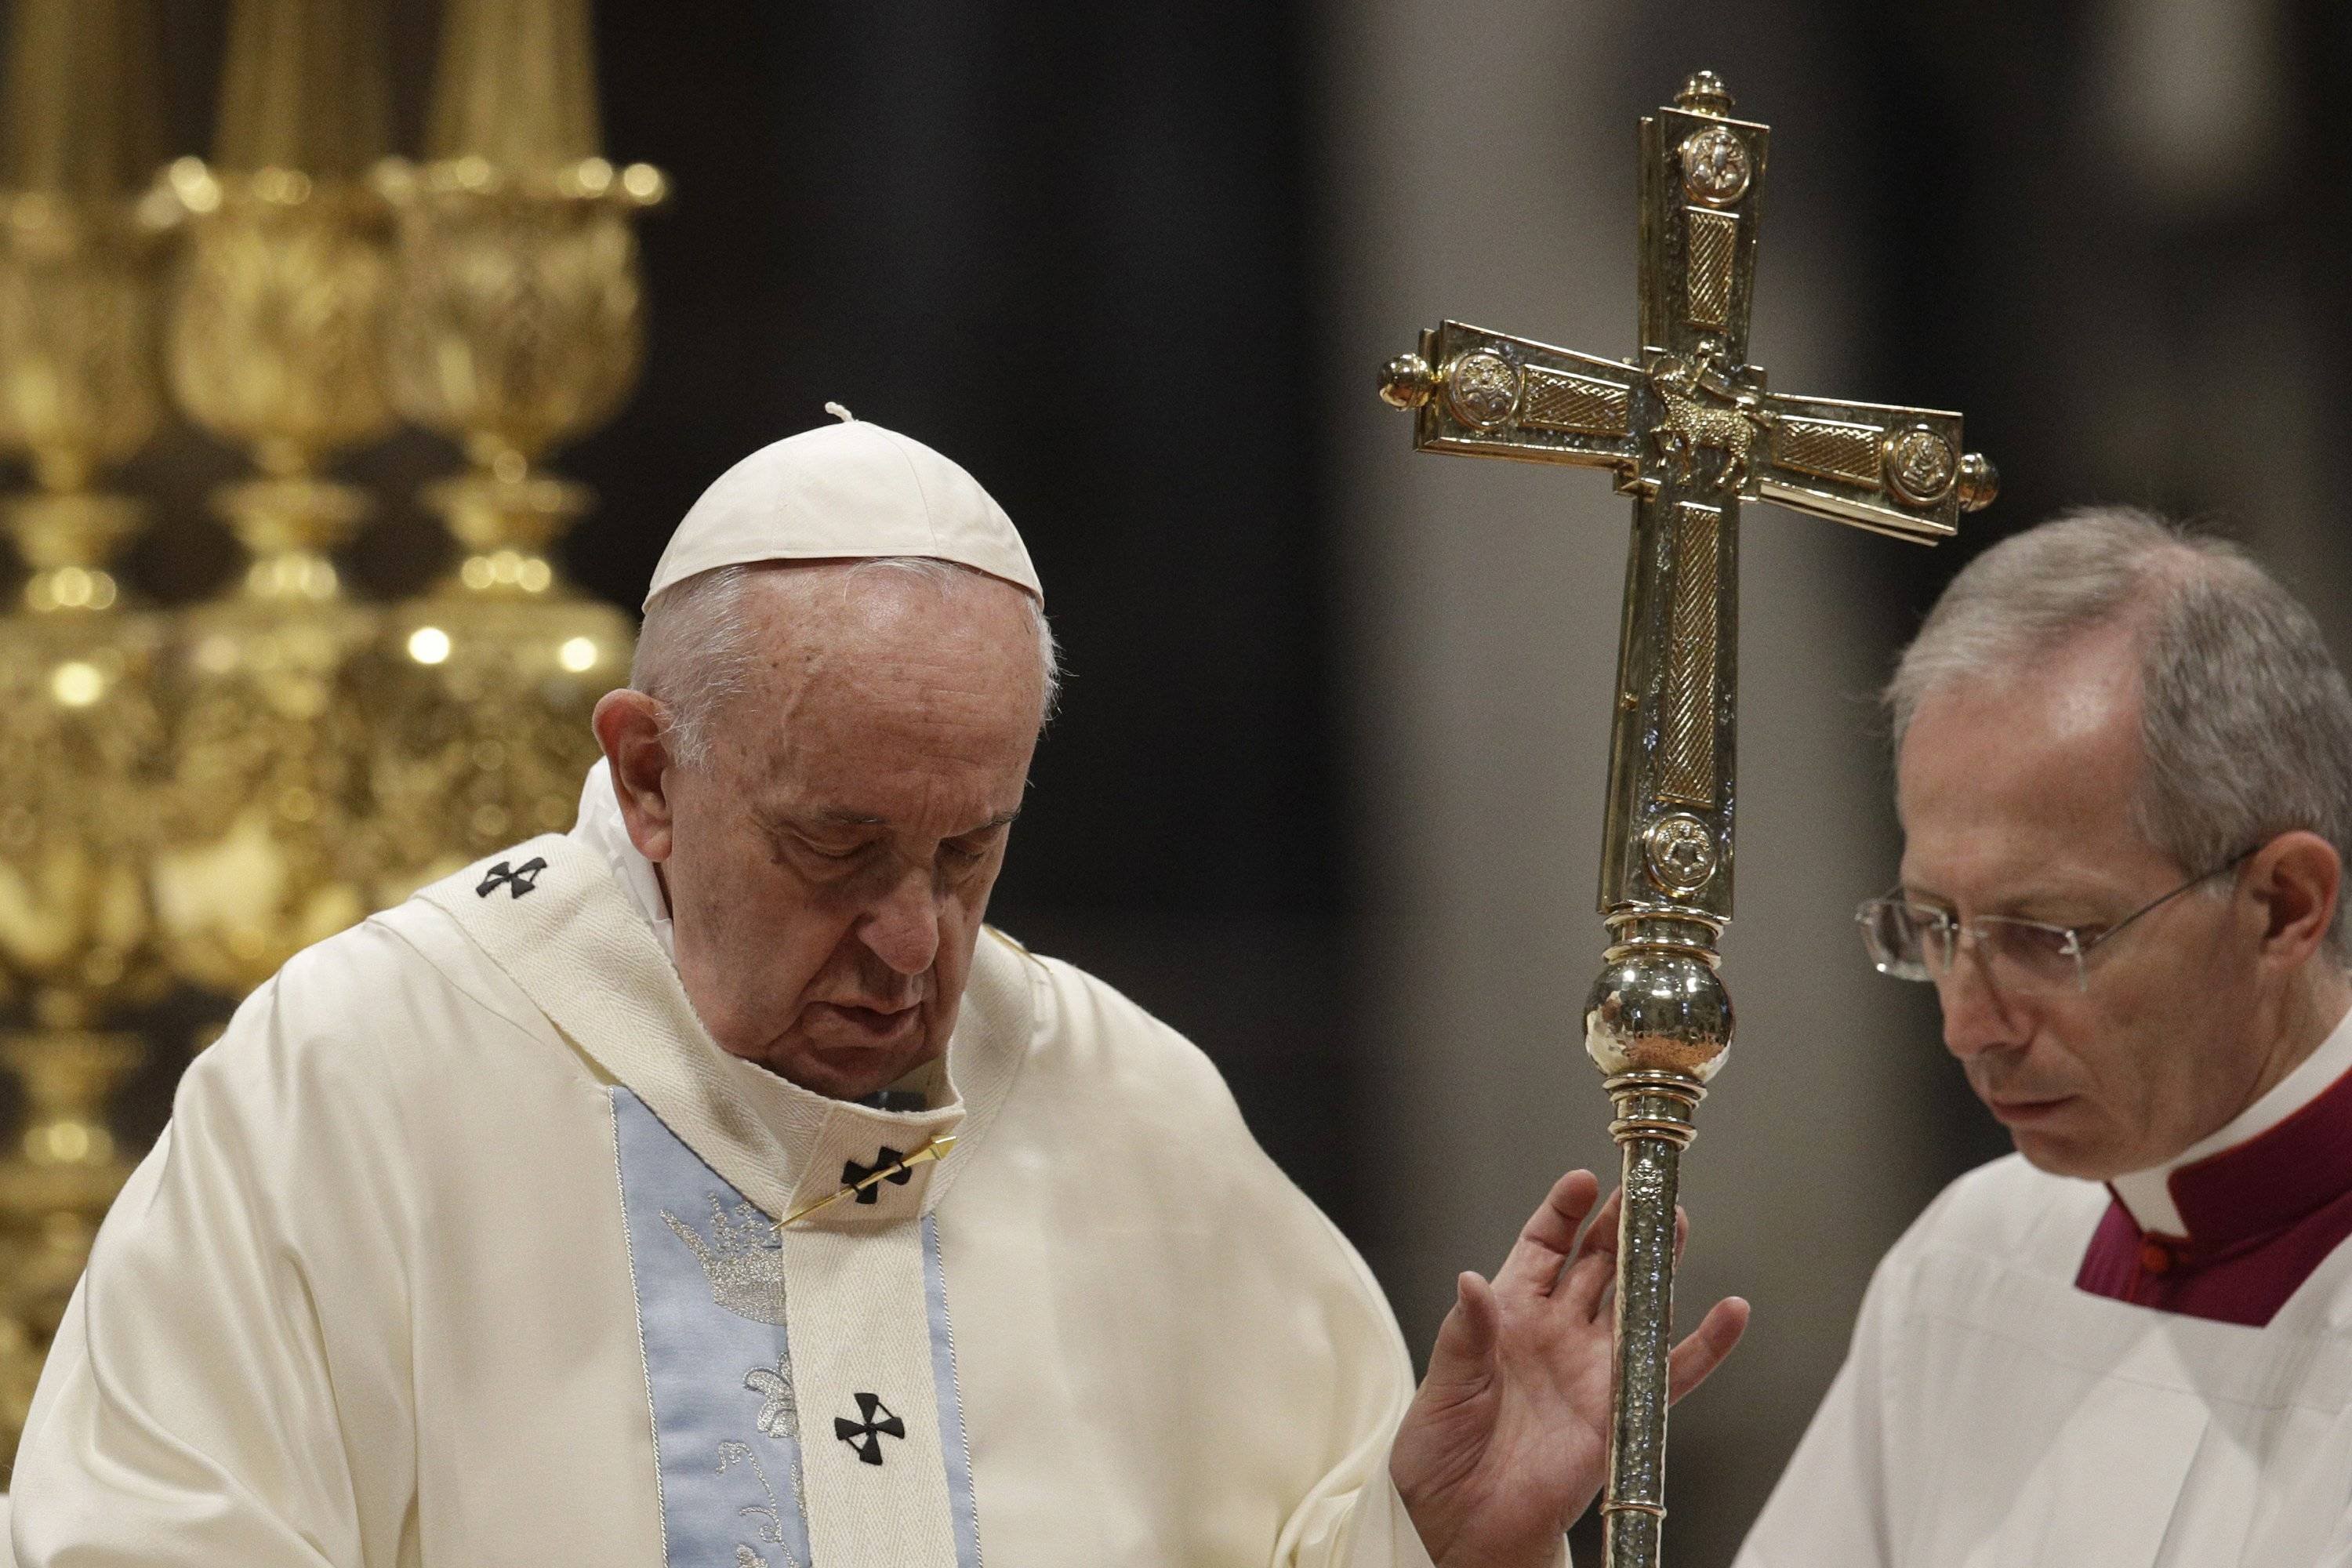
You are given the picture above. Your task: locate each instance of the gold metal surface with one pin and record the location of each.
(277, 345)
(193, 796)
(1703, 414)
(276, 333)
(1699, 433)
(1687, 773)
(478, 697)
(1678, 854)
(1921, 465)
(1653, 1127)
(1715, 165)
(1557, 401)
(519, 324)
(937, 1149)
(54, 1186)
(266, 846)
(84, 764)
(1713, 244)
(1829, 447)
(79, 391)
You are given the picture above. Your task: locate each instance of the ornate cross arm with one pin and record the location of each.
(1489, 394)
(1893, 470)
(1896, 471)
(1689, 431)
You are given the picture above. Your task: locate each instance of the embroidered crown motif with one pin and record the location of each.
(742, 1257)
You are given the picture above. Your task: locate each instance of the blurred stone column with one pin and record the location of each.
(1483, 165)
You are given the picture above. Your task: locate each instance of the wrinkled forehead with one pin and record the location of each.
(943, 665)
(847, 616)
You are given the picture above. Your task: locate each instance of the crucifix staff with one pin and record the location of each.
(1689, 431)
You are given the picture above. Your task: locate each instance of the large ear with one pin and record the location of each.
(2296, 879)
(629, 727)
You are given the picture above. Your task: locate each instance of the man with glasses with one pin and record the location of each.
(2124, 770)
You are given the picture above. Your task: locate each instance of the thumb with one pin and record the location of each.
(1465, 1350)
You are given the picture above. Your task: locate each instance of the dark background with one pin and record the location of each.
(1050, 241)
(1089, 251)
(1086, 250)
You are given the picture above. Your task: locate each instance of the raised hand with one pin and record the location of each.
(1507, 1440)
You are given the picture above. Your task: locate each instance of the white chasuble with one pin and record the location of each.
(1993, 1415)
(462, 1250)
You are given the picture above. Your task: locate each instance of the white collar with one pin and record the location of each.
(601, 828)
(2147, 1195)
(549, 914)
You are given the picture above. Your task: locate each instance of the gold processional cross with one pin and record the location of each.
(1690, 432)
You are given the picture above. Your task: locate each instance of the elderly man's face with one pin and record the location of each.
(2014, 793)
(829, 868)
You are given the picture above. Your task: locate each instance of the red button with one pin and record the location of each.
(2155, 1257)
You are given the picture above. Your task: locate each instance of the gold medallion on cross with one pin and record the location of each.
(1690, 431)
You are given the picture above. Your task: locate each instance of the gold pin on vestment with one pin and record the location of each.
(937, 1149)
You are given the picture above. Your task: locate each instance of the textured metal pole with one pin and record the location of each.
(1659, 999)
(1658, 1023)
(1653, 1125)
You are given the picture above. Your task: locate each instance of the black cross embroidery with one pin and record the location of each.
(517, 879)
(866, 1435)
(852, 1173)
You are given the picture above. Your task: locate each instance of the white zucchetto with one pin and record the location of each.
(845, 491)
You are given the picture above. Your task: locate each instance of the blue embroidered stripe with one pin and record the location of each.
(952, 1444)
(710, 1316)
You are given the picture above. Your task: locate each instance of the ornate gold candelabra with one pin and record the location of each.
(521, 325)
(277, 345)
(277, 760)
(55, 1186)
(85, 735)
(1689, 432)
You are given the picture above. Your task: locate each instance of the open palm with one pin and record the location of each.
(1507, 1440)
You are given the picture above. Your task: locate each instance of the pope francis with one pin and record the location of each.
(709, 1185)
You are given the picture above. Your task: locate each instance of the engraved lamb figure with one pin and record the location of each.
(1691, 427)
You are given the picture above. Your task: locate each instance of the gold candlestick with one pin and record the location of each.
(78, 391)
(277, 345)
(521, 326)
(1689, 432)
(58, 1182)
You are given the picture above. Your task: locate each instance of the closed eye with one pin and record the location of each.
(971, 849)
(791, 839)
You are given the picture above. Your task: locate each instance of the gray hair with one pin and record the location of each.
(695, 652)
(2245, 724)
